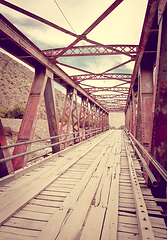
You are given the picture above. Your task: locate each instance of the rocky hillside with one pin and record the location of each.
(15, 85)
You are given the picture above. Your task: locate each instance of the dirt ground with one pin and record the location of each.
(11, 129)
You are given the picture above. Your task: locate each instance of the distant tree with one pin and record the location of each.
(112, 128)
(121, 127)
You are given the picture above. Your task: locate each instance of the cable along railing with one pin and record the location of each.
(81, 135)
(154, 162)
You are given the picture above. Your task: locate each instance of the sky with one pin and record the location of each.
(122, 26)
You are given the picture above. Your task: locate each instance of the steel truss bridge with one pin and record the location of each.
(97, 188)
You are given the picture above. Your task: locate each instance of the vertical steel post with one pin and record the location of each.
(146, 98)
(91, 118)
(66, 116)
(127, 117)
(139, 119)
(51, 111)
(131, 115)
(134, 112)
(100, 119)
(146, 101)
(107, 121)
(96, 118)
(75, 118)
(104, 121)
(83, 116)
(87, 120)
(27, 128)
(159, 139)
(5, 167)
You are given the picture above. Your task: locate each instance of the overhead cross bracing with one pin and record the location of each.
(56, 56)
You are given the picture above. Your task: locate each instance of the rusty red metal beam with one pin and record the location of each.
(91, 86)
(119, 65)
(72, 67)
(110, 96)
(5, 167)
(90, 50)
(121, 109)
(112, 89)
(108, 76)
(102, 17)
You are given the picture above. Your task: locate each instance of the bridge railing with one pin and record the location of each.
(154, 162)
(86, 133)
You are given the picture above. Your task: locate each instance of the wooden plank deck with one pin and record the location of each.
(94, 190)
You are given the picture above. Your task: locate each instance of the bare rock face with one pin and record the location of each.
(15, 85)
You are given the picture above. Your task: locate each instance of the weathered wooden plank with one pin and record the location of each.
(40, 209)
(128, 228)
(128, 219)
(72, 176)
(54, 193)
(102, 194)
(55, 225)
(51, 198)
(161, 233)
(94, 222)
(111, 219)
(17, 233)
(158, 222)
(100, 161)
(25, 223)
(127, 236)
(18, 186)
(48, 203)
(33, 215)
(11, 236)
(126, 195)
(72, 227)
(59, 188)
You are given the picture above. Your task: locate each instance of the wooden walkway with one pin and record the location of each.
(92, 191)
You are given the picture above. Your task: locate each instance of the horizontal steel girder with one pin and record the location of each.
(131, 50)
(111, 96)
(107, 76)
(111, 89)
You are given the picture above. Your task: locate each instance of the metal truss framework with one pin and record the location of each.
(89, 50)
(94, 49)
(145, 115)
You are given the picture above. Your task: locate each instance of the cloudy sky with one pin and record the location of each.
(122, 26)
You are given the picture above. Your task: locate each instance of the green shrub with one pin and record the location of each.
(16, 112)
(65, 119)
(3, 113)
(112, 128)
(121, 127)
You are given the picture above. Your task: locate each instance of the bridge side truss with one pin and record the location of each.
(146, 115)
